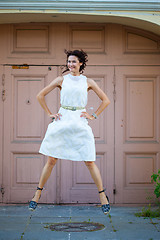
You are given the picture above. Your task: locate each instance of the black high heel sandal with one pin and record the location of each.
(105, 207)
(33, 204)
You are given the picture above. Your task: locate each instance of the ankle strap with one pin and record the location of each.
(39, 188)
(102, 191)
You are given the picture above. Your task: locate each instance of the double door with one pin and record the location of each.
(126, 135)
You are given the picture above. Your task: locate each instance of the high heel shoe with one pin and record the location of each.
(105, 207)
(33, 204)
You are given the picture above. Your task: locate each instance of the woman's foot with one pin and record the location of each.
(34, 201)
(104, 202)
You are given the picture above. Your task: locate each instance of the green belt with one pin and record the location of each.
(72, 108)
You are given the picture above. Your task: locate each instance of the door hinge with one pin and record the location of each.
(114, 78)
(114, 95)
(3, 79)
(3, 88)
(114, 86)
(2, 190)
(114, 189)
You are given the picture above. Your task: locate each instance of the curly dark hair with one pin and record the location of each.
(81, 55)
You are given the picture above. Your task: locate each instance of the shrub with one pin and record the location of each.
(148, 212)
(156, 178)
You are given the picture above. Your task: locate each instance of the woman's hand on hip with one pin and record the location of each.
(56, 116)
(87, 116)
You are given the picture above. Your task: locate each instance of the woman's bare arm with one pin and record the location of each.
(105, 100)
(57, 82)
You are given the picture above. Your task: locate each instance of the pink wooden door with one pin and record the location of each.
(1, 133)
(137, 132)
(76, 184)
(24, 126)
(134, 135)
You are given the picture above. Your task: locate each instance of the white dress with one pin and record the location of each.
(70, 137)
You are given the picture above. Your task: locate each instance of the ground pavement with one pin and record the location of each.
(70, 222)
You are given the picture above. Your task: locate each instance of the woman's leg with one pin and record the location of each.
(95, 173)
(46, 172)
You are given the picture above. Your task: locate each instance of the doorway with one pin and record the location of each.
(126, 135)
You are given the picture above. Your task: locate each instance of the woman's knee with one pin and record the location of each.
(51, 161)
(89, 164)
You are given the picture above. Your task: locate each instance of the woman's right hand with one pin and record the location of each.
(56, 116)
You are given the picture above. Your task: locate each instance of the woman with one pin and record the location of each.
(69, 136)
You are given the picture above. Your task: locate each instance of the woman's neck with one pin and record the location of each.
(75, 73)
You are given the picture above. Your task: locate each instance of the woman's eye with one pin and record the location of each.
(71, 61)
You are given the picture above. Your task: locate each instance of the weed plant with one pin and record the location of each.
(148, 211)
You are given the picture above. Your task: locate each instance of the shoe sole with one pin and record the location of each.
(105, 213)
(31, 209)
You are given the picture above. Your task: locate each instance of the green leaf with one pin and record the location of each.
(154, 177)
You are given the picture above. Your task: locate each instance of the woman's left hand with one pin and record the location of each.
(87, 116)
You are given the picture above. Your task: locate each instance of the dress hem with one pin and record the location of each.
(63, 158)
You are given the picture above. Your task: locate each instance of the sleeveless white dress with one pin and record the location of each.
(71, 137)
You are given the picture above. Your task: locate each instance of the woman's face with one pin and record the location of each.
(73, 65)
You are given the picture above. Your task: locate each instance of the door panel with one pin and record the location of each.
(77, 185)
(26, 105)
(137, 121)
(1, 131)
(25, 124)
